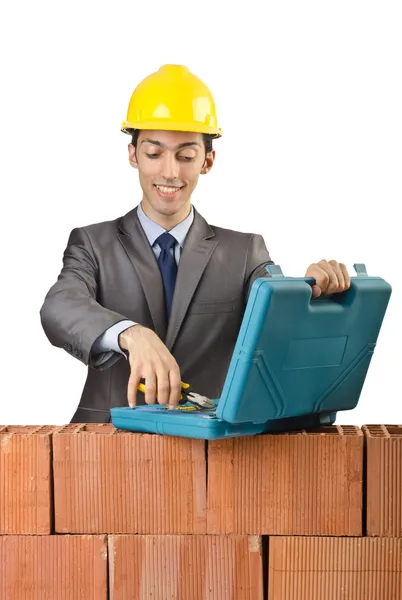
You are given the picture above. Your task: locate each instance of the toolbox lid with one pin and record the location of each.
(296, 355)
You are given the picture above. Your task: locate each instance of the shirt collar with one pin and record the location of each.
(154, 230)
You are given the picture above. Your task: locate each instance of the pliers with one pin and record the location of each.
(201, 402)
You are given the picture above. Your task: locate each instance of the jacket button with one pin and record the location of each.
(76, 352)
(68, 347)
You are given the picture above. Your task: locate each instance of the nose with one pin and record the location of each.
(170, 167)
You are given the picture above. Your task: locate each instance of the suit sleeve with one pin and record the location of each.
(70, 315)
(257, 259)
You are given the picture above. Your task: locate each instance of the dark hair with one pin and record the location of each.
(206, 137)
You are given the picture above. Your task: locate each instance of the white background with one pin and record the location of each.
(309, 98)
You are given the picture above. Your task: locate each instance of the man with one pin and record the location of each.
(159, 293)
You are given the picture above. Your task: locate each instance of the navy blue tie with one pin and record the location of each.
(168, 267)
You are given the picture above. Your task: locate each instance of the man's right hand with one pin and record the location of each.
(150, 359)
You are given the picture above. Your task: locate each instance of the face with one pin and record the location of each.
(169, 165)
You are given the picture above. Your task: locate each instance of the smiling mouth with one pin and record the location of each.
(168, 189)
(169, 192)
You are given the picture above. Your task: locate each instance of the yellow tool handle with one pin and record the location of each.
(141, 388)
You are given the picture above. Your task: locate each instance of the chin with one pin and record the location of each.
(169, 208)
(167, 211)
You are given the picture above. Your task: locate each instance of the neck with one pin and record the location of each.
(166, 221)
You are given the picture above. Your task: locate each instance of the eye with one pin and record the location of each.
(187, 158)
(152, 155)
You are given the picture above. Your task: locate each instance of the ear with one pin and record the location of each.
(208, 163)
(132, 158)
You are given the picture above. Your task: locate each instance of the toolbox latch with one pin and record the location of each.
(360, 269)
(274, 271)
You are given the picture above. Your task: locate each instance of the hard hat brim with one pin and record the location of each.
(171, 126)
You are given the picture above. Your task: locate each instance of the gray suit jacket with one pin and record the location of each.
(110, 273)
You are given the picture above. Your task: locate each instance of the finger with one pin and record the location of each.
(332, 280)
(321, 277)
(175, 387)
(346, 275)
(316, 291)
(150, 388)
(339, 273)
(163, 387)
(135, 377)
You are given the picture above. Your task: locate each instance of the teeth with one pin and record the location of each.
(167, 190)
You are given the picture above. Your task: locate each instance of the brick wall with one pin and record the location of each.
(87, 511)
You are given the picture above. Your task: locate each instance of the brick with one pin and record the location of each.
(384, 480)
(25, 479)
(299, 483)
(113, 481)
(54, 567)
(308, 568)
(196, 567)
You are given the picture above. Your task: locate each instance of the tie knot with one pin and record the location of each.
(166, 241)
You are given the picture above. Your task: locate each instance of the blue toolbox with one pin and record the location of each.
(297, 362)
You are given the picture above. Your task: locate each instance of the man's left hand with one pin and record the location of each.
(331, 277)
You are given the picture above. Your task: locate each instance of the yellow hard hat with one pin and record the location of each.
(172, 99)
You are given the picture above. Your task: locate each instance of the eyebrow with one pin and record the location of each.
(178, 147)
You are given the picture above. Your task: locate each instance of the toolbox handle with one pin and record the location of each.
(361, 271)
(275, 272)
(310, 280)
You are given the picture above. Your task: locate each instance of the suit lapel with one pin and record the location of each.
(197, 251)
(136, 244)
